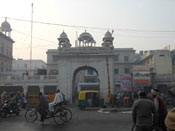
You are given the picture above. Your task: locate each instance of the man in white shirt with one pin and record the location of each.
(58, 99)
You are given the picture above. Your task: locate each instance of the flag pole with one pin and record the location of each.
(30, 72)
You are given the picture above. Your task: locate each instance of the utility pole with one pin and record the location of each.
(109, 89)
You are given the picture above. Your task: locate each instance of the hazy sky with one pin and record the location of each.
(146, 15)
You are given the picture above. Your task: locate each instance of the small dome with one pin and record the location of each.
(63, 35)
(108, 34)
(5, 26)
(85, 34)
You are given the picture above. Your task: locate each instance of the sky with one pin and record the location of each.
(137, 24)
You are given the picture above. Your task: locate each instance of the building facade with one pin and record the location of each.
(173, 60)
(67, 61)
(160, 61)
(6, 48)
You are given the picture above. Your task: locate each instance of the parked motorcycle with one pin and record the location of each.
(9, 108)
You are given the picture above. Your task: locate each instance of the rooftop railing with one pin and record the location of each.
(37, 77)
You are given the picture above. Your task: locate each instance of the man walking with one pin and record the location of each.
(42, 106)
(160, 108)
(144, 113)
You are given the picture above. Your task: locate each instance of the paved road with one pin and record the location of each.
(86, 120)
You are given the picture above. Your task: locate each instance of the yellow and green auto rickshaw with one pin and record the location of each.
(90, 98)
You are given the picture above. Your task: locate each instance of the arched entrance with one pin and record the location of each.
(84, 78)
(70, 66)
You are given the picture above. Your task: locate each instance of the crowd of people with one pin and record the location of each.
(127, 98)
(149, 110)
(149, 114)
(43, 106)
(11, 97)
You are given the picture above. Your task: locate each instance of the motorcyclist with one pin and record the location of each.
(10, 106)
(12, 102)
(4, 97)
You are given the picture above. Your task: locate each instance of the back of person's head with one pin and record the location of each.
(58, 90)
(142, 94)
(40, 94)
(172, 91)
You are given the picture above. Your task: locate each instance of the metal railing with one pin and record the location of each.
(37, 77)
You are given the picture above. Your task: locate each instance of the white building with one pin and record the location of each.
(67, 61)
(6, 48)
(21, 67)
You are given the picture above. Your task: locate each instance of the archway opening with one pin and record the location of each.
(84, 78)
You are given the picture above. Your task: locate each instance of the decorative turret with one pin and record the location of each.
(108, 40)
(85, 40)
(5, 28)
(64, 40)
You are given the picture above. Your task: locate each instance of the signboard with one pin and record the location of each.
(141, 77)
(125, 82)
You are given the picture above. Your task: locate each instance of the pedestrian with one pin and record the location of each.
(118, 100)
(112, 101)
(160, 108)
(135, 96)
(170, 120)
(42, 106)
(126, 99)
(144, 113)
(4, 96)
(47, 97)
(58, 99)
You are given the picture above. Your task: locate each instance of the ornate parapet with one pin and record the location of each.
(85, 50)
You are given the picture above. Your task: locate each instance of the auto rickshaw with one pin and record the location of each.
(90, 98)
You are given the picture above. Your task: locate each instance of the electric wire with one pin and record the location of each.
(88, 27)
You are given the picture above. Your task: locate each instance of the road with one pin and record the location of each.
(83, 120)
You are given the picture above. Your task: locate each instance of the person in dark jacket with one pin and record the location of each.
(160, 108)
(42, 106)
(144, 113)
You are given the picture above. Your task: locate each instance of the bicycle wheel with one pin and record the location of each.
(67, 114)
(31, 115)
(59, 118)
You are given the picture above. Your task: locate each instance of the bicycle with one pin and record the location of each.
(61, 114)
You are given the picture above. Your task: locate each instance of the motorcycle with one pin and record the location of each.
(9, 108)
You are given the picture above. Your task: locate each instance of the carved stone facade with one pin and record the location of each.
(67, 61)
